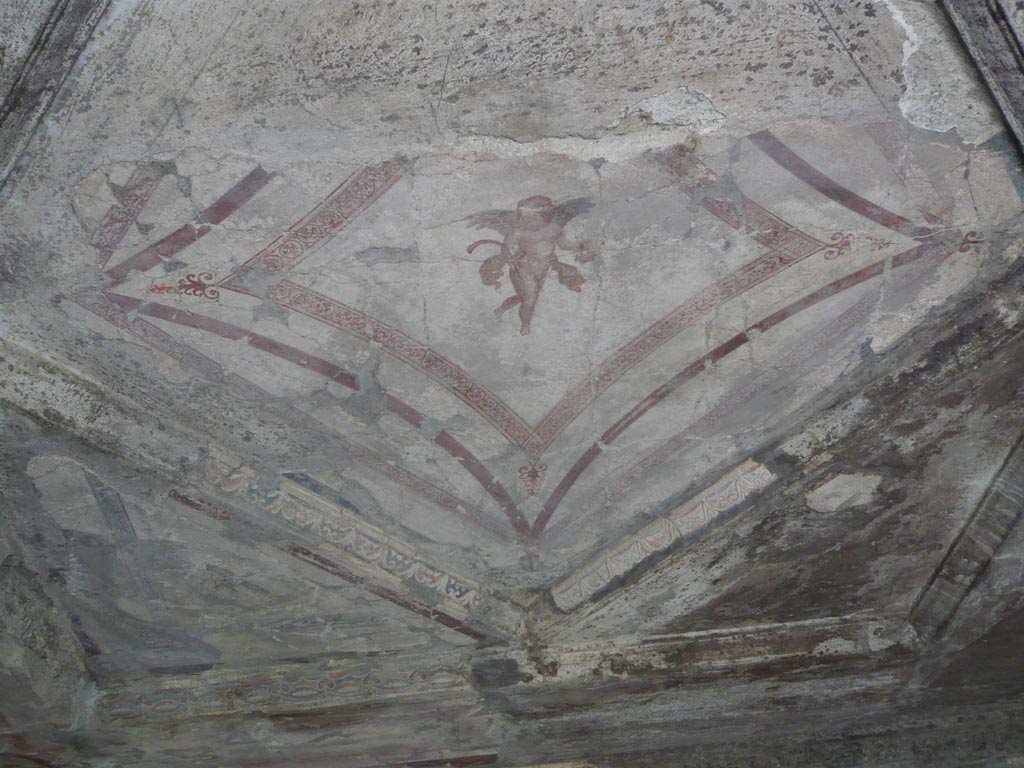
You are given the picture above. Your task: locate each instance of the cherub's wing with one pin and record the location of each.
(573, 208)
(498, 220)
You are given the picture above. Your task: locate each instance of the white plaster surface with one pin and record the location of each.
(843, 492)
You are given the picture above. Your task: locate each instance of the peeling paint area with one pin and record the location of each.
(681, 106)
(842, 492)
(942, 93)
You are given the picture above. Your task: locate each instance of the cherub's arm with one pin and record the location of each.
(473, 246)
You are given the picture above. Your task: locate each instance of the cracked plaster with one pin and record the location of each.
(287, 432)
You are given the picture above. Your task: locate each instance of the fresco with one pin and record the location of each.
(682, 266)
(544, 383)
(531, 233)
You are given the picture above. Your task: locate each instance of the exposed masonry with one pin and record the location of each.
(842, 492)
(680, 106)
(924, 104)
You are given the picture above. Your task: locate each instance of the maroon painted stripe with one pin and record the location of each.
(620, 426)
(563, 487)
(812, 177)
(497, 492)
(716, 354)
(184, 236)
(237, 196)
(838, 286)
(154, 254)
(655, 458)
(325, 368)
(404, 411)
(235, 333)
(99, 304)
(469, 462)
(330, 370)
(180, 317)
(666, 389)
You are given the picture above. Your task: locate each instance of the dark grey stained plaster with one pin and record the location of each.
(993, 33)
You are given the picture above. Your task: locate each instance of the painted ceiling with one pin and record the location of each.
(394, 327)
(531, 352)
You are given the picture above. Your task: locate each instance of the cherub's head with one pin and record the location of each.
(536, 207)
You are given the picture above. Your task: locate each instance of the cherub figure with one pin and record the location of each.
(532, 233)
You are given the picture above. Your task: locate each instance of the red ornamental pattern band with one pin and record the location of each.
(359, 191)
(338, 210)
(439, 368)
(763, 226)
(364, 187)
(131, 199)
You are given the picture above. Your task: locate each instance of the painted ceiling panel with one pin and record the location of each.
(365, 353)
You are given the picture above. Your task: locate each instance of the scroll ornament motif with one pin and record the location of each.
(199, 285)
(532, 476)
(970, 240)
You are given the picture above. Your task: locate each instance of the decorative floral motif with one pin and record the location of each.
(131, 199)
(842, 242)
(199, 285)
(970, 240)
(342, 206)
(532, 475)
